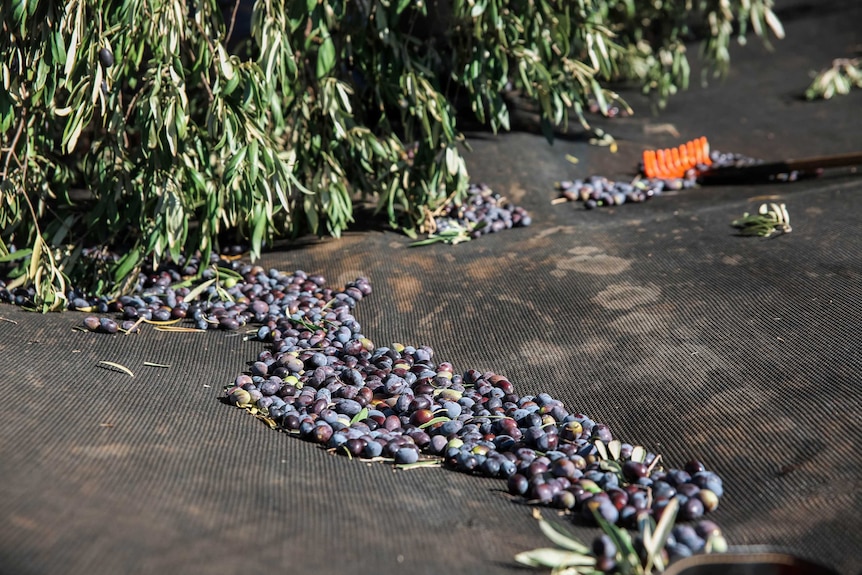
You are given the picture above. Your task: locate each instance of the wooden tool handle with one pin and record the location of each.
(838, 161)
(757, 172)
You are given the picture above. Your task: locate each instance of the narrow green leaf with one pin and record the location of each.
(655, 544)
(436, 420)
(615, 447)
(325, 57)
(363, 413)
(35, 259)
(193, 294)
(600, 447)
(561, 539)
(17, 255)
(554, 558)
(126, 264)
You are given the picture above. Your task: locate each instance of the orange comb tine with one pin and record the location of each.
(699, 151)
(693, 152)
(664, 159)
(704, 149)
(676, 168)
(649, 163)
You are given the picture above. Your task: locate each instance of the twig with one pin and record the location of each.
(12, 147)
(232, 21)
(212, 51)
(132, 105)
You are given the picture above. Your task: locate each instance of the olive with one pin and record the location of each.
(322, 433)
(603, 546)
(108, 325)
(407, 454)
(106, 58)
(634, 470)
(239, 396)
(228, 323)
(691, 509)
(708, 498)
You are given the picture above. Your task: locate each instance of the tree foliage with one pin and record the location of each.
(154, 128)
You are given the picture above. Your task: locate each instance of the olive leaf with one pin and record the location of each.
(117, 366)
(555, 558)
(363, 414)
(558, 537)
(434, 421)
(601, 448)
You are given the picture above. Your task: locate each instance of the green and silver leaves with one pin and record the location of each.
(572, 557)
(39, 267)
(844, 75)
(770, 219)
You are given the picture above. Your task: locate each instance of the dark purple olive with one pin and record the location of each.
(564, 500)
(108, 325)
(407, 454)
(706, 528)
(634, 470)
(543, 492)
(518, 484)
(602, 432)
(322, 433)
(692, 509)
(603, 546)
(228, 323)
(106, 58)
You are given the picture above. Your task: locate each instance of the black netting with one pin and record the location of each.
(653, 318)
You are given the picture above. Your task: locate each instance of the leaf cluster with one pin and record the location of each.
(844, 75)
(770, 219)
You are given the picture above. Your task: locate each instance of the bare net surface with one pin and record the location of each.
(654, 318)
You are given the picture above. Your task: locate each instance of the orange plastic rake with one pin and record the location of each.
(675, 162)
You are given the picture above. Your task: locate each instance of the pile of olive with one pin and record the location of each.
(324, 380)
(483, 211)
